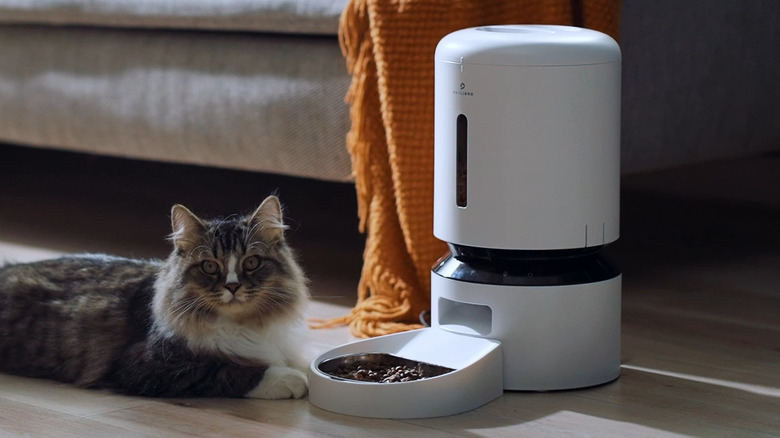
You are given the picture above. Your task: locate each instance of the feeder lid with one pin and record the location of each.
(527, 45)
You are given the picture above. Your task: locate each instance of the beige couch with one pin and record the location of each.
(260, 84)
(246, 84)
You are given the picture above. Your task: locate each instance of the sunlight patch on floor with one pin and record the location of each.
(753, 389)
(575, 424)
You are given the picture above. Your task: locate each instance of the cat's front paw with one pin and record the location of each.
(281, 382)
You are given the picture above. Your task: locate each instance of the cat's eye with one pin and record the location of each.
(209, 267)
(252, 262)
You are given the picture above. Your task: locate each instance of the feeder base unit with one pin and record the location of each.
(553, 337)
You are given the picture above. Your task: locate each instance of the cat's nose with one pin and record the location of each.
(232, 287)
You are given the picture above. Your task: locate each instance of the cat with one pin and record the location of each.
(222, 316)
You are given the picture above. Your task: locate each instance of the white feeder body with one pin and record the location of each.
(527, 138)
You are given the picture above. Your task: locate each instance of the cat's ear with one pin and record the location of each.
(267, 222)
(187, 228)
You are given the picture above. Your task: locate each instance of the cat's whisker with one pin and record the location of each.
(277, 299)
(204, 252)
(179, 313)
(188, 308)
(250, 241)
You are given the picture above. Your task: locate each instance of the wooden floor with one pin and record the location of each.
(699, 248)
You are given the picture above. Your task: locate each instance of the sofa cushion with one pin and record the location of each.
(315, 17)
(254, 101)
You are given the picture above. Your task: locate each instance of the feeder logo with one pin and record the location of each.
(462, 91)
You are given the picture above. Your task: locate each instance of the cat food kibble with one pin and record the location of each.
(384, 372)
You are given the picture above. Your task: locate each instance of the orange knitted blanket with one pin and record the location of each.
(389, 47)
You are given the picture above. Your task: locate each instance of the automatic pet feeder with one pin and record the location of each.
(526, 193)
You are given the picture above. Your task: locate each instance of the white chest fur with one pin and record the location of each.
(280, 344)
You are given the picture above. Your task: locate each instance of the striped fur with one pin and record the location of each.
(208, 321)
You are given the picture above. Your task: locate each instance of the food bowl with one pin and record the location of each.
(380, 368)
(457, 373)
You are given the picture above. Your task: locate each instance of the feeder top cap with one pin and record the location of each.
(527, 45)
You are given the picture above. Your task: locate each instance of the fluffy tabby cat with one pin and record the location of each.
(221, 316)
